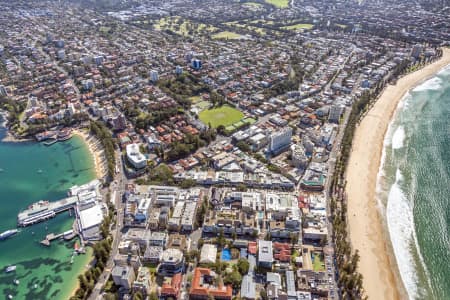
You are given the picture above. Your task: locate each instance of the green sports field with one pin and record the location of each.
(278, 3)
(225, 115)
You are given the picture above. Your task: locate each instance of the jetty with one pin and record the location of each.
(67, 236)
(44, 210)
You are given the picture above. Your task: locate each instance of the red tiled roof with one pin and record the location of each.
(221, 292)
(252, 247)
(172, 288)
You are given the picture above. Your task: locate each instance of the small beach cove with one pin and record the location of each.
(31, 172)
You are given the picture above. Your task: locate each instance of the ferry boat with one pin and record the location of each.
(7, 234)
(10, 269)
(35, 213)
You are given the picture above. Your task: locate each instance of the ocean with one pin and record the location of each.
(413, 188)
(30, 172)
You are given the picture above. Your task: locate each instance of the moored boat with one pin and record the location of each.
(10, 269)
(7, 234)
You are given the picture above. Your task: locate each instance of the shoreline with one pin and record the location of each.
(95, 150)
(92, 143)
(366, 222)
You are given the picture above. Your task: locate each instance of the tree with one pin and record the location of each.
(153, 296)
(234, 278)
(221, 129)
(221, 239)
(138, 296)
(263, 295)
(243, 146)
(243, 266)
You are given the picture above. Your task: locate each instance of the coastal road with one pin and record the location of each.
(119, 188)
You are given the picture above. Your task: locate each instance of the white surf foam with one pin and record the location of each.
(431, 84)
(398, 138)
(445, 71)
(400, 221)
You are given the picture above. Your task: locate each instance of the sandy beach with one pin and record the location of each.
(96, 149)
(367, 226)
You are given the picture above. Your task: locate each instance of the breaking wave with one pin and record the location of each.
(400, 221)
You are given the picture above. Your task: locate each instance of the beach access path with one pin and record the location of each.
(367, 226)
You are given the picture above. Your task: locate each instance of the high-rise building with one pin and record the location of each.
(335, 113)
(197, 64)
(59, 44)
(416, 50)
(154, 75)
(189, 55)
(98, 60)
(61, 54)
(299, 158)
(280, 140)
(3, 91)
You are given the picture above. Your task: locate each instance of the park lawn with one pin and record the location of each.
(202, 105)
(104, 29)
(298, 26)
(227, 35)
(256, 4)
(225, 115)
(278, 3)
(195, 99)
(181, 26)
(318, 263)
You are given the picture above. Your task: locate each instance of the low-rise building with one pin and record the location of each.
(135, 157)
(208, 254)
(265, 254)
(171, 286)
(123, 276)
(205, 285)
(172, 262)
(142, 281)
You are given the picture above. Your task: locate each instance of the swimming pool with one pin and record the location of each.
(226, 255)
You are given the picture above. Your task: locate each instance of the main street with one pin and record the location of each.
(119, 187)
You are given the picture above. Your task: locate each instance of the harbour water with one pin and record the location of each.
(414, 188)
(30, 172)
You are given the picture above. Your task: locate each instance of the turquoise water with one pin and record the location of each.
(226, 255)
(414, 188)
(30, 172)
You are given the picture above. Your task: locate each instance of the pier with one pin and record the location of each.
(44, 210)
(67, 236)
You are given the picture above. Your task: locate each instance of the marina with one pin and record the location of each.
(53, 136)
